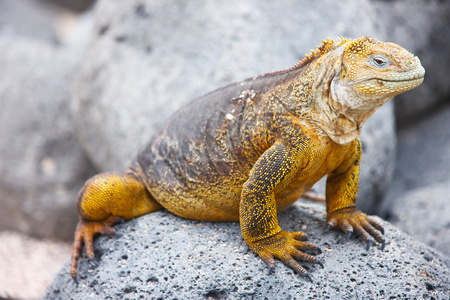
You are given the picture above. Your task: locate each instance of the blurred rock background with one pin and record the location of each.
(84, 85)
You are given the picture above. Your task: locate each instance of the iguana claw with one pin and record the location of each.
(93, 261)
(351, 220)
(369, 243)
(348, 235)
(320, 263)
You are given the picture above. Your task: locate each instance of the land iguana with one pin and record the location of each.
(249, 150)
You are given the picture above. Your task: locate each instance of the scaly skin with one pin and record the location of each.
(249, 150)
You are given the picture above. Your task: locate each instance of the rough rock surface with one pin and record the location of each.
(146, 59)
(42, 163)
(422, 27)
(161, 256)
(417, 200)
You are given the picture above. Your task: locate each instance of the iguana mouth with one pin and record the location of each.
(392, 80)
(411, 76)
(419, 73)
(402, 78)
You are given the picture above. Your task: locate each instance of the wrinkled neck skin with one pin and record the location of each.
(337, 109)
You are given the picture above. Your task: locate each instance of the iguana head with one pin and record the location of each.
(361, 75)
(380, 69)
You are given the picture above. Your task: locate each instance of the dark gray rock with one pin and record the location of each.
(75, 5)
(424, 213)
(379, 142)
(42, 164)
(147, 59)
(161, 256)
(417, 199)
(422, 27)
(423, 157)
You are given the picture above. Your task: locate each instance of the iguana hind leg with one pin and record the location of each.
(313, 195)
(102, 202)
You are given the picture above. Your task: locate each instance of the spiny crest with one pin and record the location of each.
(328, 45)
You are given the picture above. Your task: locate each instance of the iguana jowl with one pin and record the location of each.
(249, 150)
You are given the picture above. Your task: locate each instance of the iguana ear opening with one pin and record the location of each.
(343, 73)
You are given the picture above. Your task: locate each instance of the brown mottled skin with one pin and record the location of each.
(249, 150)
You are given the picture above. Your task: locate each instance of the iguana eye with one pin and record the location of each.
(379, 61)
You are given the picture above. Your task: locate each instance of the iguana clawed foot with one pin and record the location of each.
(84, 234)
(351, 220)
(287, 247)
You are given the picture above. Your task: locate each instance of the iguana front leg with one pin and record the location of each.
(258, 211)
(341, 192)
